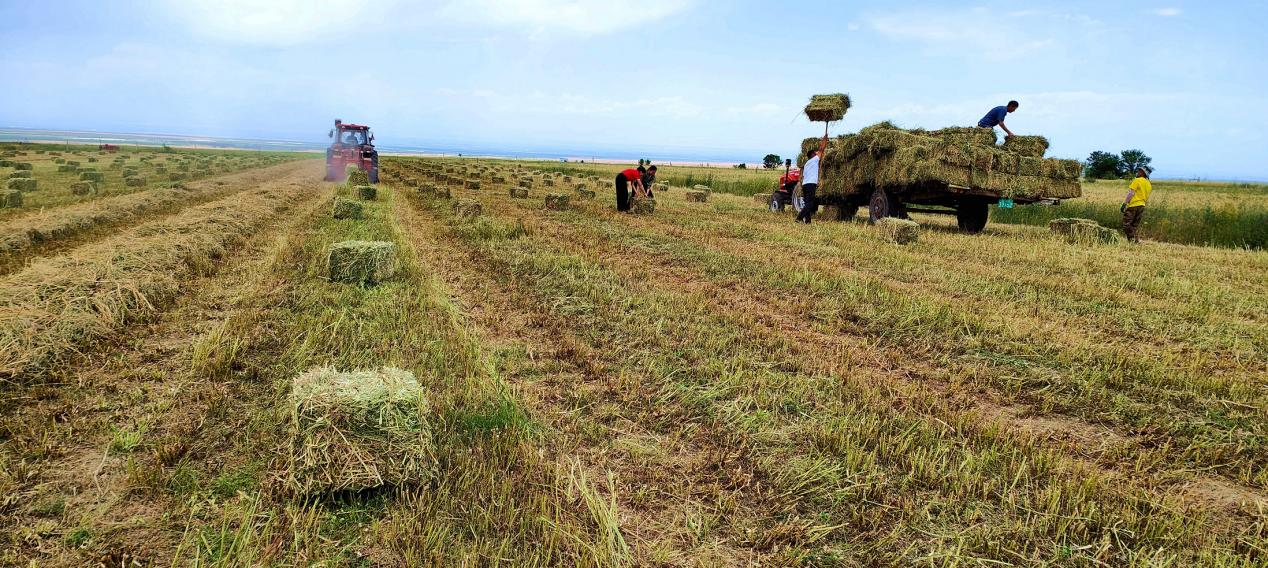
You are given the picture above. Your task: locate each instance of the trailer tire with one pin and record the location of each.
(883, 204)
(798, 200)
(971, 217)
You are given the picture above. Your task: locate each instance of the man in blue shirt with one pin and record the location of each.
(997, 116)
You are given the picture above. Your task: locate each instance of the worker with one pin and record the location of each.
(787, 184)
(1133, 207)
(996, 117)
(623, 181)
(810, 183)
(649, 178)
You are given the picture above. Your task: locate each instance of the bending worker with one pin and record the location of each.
(623, 181)
(997, 115)
(810, 183)
(1134, 205)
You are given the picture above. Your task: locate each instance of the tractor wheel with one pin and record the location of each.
(972, 216)
(847, 212)
(883, 204)
(775, 204)
(374, 174)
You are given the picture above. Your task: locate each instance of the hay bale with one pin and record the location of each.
(361, 262)
(6, 163)
(519, 193)
(526, 183)
(358, 430)
(64, 168)
(901, 231)
(22, 166)
(441, 193)
(357, 176)
(176, 176)
(557, 201)
(347, 209)
(659, 187)
(21, 184)
(467, 209)
(698, 196)
(642, 205)
(1029, 146)
(548, 182)
(828, 108)
(10, 199)
(91, 160)
(1083, 231)
(762, 199)
(472, 184)
(703, 188)
(134, 181)
(367, 192)
(584, 193)
(92, 176)
(20, 174)
(83, 188)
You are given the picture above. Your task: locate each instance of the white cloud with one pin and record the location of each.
(1167, 12)
(584, 17)
(957, 30)
(277, 23)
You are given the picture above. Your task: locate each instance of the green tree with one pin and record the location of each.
(771, 161)
(1132, 159)
(742, 166)
(1103, 165)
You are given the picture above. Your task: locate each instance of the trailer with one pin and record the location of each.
(954, 171)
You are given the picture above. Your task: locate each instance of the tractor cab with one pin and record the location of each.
(351, 144)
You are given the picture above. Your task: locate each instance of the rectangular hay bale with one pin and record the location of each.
(828, 108)
(358, 430)
(361, 262)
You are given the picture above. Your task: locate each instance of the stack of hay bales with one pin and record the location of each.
(358, 430)
(367, 192)
(10, 199)
(901, 231)
(1083, 231)
(642, 205)
(467, 209)
(361, 262)
(698, 196)
(557, 201)
(347, 209)
(884, 155)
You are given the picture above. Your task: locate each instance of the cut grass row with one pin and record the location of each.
(696, 364)
(57, 304)
(492, 499)
(1204, 420)
(22, 237)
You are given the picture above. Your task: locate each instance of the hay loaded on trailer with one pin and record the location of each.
(954, 171)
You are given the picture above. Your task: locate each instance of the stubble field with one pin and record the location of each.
(706, 385)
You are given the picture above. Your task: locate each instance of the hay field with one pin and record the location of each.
(706, 385)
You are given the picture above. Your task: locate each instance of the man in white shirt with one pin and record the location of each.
(810, 183)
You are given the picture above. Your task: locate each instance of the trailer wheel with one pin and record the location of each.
(798, 200)
(883, 204)
(847, 212)
(972, 216)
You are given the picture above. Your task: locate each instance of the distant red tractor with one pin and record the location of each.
(352, 144)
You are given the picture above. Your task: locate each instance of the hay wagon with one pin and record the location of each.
(953, 171)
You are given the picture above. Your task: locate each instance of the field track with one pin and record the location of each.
(709, 385)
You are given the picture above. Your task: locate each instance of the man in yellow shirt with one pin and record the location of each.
(1134, 206)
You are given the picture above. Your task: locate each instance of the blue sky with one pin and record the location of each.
(1184, 81)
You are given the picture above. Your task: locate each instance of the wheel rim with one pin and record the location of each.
(798, 200)
(878, 207)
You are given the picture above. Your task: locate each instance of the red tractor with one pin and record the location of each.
(352, 144)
